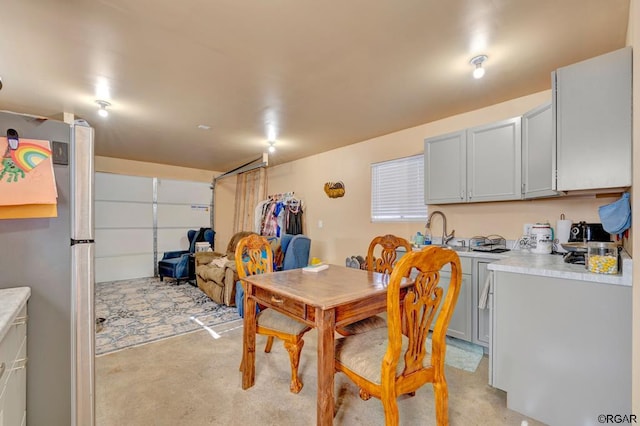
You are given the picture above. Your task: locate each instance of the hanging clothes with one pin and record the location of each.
(293, 219)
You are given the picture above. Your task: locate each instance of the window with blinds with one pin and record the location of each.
(397, 190)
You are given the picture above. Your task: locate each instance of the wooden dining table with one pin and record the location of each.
(327, 299)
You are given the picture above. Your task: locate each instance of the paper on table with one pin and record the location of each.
(315, 268)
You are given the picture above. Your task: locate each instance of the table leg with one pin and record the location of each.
(325, 322)
(249, 339)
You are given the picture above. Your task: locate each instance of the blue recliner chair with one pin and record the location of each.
(175, 264)
(296, 250)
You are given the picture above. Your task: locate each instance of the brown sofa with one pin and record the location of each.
(218, 281)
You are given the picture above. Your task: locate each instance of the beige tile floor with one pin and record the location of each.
(193, 379)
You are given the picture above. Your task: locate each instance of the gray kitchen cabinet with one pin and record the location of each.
(592, 107)
(538, 153)
(460, 325)
(445, 169)
(481, 317)
(478, 164)
(494, 160)
(561, 348)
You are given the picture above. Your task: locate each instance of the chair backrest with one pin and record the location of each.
(253, 256)
(296, 251)
(233, 242)
(419, 307)
(200, 235)
(388, 244)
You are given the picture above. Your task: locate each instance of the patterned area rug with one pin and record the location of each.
(147, 309)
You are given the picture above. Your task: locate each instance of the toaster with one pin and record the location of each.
(582, 232)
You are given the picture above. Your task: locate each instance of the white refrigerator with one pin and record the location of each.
(55, 258)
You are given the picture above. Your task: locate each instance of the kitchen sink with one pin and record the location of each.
(457, 248)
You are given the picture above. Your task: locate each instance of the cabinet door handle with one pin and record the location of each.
(2, 368)
(21, 320)
(276, 300)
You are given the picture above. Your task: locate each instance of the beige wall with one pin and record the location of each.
(347, 228)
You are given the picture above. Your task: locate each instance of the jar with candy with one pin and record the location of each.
(602, 257)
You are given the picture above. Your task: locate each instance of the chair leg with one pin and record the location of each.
(390, 406)
(267, 347)
(442, 402)
(294, 349)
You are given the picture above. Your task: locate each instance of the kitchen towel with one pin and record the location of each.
(563, 228)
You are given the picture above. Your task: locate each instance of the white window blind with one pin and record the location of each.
(397, 190)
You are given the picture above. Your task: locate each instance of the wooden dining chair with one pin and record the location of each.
(386, 363)
(254, 256)
(381, 257)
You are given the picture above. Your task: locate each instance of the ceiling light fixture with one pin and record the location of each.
(102, 111)
(272, 148)
(478, 72)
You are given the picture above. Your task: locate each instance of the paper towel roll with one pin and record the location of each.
(563, 229)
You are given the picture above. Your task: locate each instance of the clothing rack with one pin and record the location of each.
(279, 213)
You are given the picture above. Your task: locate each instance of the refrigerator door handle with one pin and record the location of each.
(82, 182)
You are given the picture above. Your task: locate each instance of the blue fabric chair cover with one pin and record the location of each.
(175, 264)
(296, 255)
(296, 251)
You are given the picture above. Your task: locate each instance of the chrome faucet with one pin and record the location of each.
(445, 238)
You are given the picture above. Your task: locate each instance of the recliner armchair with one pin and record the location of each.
(175, 264)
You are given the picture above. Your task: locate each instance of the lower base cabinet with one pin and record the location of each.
(561, 348)
(13, 369)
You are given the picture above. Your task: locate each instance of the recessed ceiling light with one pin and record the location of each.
(204, 127)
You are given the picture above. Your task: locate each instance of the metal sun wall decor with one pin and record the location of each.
(334, 189)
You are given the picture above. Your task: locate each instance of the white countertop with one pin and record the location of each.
(11, 302)
(550, 265)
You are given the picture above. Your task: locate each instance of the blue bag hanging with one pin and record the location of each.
(616, 217)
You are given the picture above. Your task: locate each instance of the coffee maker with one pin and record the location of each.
(583, 232)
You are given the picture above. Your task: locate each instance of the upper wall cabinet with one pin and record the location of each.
(445, 169)
(538, 153)
(478, 164)
(592, 105)
(494, 161)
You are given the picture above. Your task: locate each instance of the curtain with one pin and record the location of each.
(251, 187)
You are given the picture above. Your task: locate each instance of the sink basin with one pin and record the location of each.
(457, 248)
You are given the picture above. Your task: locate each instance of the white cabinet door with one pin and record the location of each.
(592, 102)
(538, 153)
(460, 324)
(445, 169)
(494, 161)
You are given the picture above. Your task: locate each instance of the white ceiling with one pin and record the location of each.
(322, 74)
